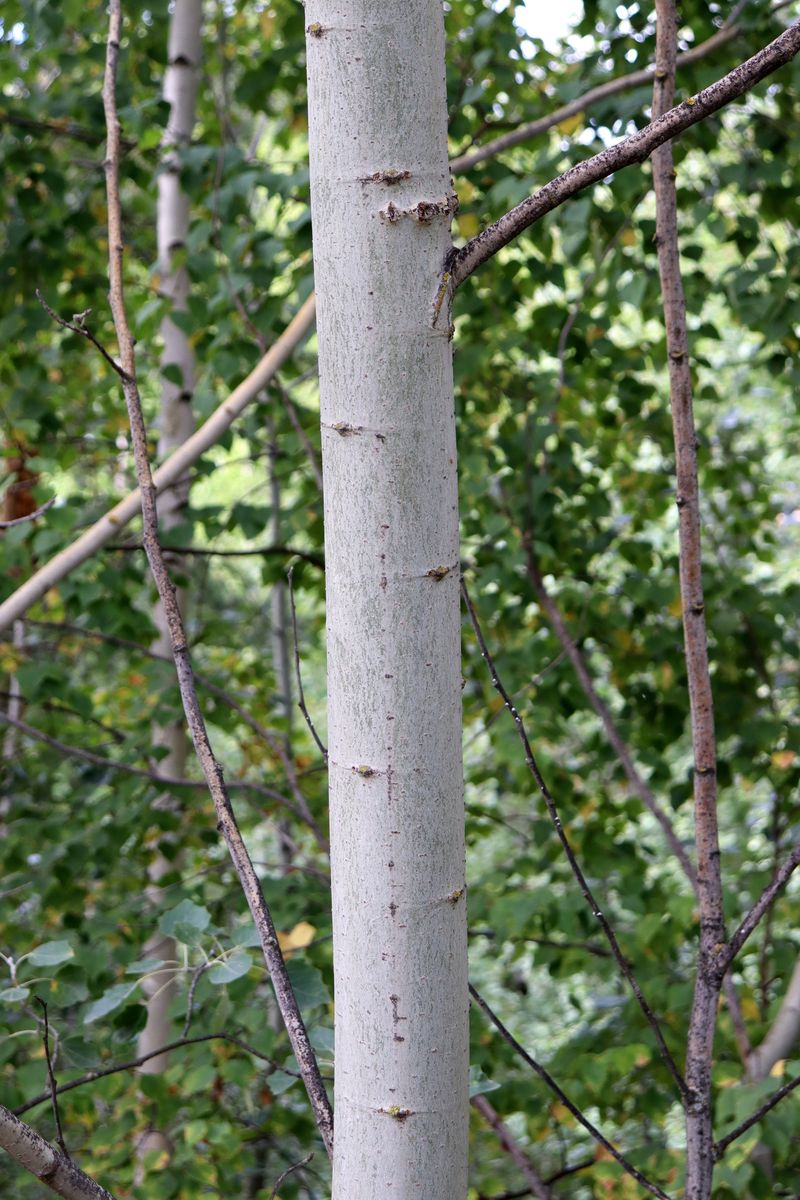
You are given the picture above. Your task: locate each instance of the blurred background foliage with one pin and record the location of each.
(566, 466)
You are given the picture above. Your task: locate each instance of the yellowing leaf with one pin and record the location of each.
(779, 1068)
(571, 124)
(466, 191)
(296, 939)
(675, 607)
(468, 225)
(629, 237)
(783, 759)
(267, 23)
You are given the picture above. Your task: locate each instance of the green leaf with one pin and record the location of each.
(234, 967)
(13, 995)
(307, 983)
(50, 954)
(479, 1083)
(186, 922)
(108, 1002)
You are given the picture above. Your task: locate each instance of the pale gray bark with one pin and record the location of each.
(176, 426)
(783, 1033)
(381, 209)
(52, 1168)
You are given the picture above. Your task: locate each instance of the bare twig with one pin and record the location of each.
(565, 1100)
(285, 1174)
(52, 1079)
(512, 1147)
(301, 694)
(77, 325)
(227, 823)
(722, 1145)
(634, 149)
(133, 1063)
(575, 867)
(50, 1167)
(29, 516)
(767, 898)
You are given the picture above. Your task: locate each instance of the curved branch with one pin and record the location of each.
(634, 149)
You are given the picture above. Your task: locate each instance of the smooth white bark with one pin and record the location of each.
(176, 424)
(381, 209)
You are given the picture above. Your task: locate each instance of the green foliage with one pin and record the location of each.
(565, 450)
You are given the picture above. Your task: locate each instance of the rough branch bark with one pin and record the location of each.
(50, 1166)
(212, 771)
(634, 149)
(702, 1021)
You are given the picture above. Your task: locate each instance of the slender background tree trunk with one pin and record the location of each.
(176, 425)
(381, 209)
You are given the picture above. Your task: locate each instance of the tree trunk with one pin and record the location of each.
(176, 425)
(381, 209)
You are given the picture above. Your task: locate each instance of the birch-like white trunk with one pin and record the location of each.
(176, 425)
(381, 208)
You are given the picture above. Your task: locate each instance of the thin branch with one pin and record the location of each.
(575, 867)
(77, 325)
(226, 820)
(285, 1174)
(101, 1073)
(29, 516)
(708, 980)
(196, 975)
(547, 1078)
(301, 694)
(603, 91)
(52, 1079)
(512, 1147)
(167, 781)
(722, 1145)
(50, 1167)
(633, 149)
(315, 560)
(767, 898)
